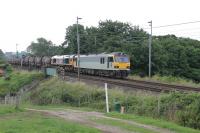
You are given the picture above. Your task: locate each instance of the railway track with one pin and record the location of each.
(138, 84)
(164, 85)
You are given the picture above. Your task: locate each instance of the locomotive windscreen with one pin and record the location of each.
(121, 59)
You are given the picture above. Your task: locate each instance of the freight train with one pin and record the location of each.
(116, 64)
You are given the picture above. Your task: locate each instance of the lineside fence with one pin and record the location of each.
(10, 100)
(16, 100)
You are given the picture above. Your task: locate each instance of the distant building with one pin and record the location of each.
(13, 54)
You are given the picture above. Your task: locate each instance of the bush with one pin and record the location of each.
(190, 114)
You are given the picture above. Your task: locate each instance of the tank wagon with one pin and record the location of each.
(46, 61)
(116, 64)
(38, 61)
(32, 60)
(26, 61)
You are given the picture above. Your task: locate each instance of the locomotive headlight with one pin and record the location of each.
(116, 66)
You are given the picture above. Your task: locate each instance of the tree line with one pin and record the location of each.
(171, 55)
(2, 58)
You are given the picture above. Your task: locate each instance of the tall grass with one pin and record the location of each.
(7, 109)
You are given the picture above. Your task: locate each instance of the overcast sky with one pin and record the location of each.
(22, 21)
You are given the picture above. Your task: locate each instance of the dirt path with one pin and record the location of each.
(84, 118)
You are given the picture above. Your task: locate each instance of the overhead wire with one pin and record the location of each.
(178, 30)
(177, 24)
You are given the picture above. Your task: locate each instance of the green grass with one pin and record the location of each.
(5, 109)
(155, 122)
(18, 80)
(31, 122)
(22, 121)
(122, 125)
(140, 119)
(167, 79)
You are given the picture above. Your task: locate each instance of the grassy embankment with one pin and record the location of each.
(21, 121)
(17, 80)
(167, 79)
(180, 108)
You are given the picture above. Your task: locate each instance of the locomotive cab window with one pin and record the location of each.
(122, 59)
(102, 60)
(54, 60)
(110, 59)
(66, 61)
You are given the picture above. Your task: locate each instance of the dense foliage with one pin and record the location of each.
(170, 55)
(183, 108)
(17, 80)
(43, 47)
(177, 56)
(2, 57)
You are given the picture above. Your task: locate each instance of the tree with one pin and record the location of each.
(71, 39)
(44, 47)
(178, 56)
(2, 57)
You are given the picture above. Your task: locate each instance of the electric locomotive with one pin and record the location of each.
(115, 64)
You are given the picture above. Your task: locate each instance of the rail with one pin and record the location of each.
(138, 84)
